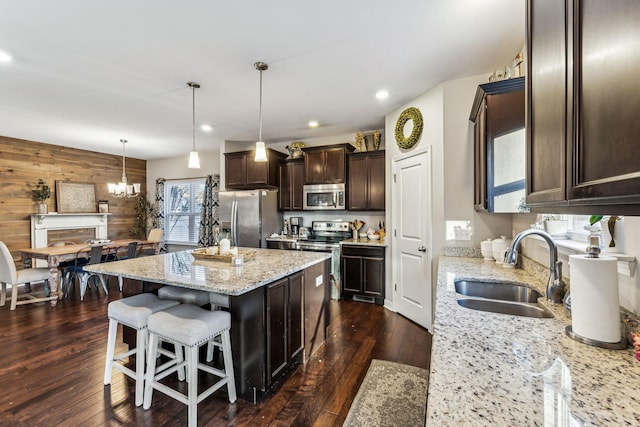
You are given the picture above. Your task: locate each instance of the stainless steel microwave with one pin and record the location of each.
(324, 197)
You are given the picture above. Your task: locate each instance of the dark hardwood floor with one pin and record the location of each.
(52, 367)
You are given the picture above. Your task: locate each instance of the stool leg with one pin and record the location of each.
(210, 347)
(228, 365)
(192, 372)
(140, 354)
(151, 369)
(120, 283)
(111, 345)
(84, 281)
(3, 294)
(179, 352)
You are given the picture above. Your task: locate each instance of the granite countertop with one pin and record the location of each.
(181, 269)
(364, 242)
(503, 370)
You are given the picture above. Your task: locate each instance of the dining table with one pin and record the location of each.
(55, 255)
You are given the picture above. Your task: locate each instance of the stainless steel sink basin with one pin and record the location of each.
(500, 297)
(506, 291)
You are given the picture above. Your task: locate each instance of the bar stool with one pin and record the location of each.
(189, 326)
(218, 301)
(134, 312)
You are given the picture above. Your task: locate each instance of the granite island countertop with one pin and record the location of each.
(182, 269)
(364, 242)
(502, 370)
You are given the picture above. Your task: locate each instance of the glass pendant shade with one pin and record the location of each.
(194, 160)
(261, 152)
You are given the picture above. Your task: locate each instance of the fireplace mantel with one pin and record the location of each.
(42, 223)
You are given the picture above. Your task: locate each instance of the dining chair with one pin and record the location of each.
(132, 252)
(9, 275)
(78, 271)
(155, 236)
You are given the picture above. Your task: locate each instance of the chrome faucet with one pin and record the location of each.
(555, 286)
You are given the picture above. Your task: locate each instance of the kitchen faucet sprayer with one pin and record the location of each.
(555, 285)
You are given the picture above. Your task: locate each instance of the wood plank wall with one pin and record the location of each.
(24, 162)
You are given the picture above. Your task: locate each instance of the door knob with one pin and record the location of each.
(422, 249)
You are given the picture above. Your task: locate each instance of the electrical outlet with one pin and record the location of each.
(318, 281)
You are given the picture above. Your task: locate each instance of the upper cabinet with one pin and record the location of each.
(242, 172)
(365, 188)
(290, 195)
(499, 146)
(582, 100)
(327, 164)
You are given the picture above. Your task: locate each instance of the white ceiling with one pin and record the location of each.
(86, 74)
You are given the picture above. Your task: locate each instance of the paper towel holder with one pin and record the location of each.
(620, 345)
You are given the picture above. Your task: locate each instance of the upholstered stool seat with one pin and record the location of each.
(134, 312)
(189, 326)
(184, 295)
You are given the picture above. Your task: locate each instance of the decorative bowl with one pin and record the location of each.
(374, 236)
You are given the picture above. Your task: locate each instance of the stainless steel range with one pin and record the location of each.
(325, 237)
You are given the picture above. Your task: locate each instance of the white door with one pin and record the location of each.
(411, 266)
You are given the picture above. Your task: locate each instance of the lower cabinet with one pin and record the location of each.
(362, 271)
(284, 324)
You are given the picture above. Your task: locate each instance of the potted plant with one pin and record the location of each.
(555, 226)
(39, 194)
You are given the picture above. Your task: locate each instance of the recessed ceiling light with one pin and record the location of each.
(206, 128)
(382, 94)
(4, 56)
(313, 123)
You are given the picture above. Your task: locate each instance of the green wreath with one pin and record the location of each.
(413, 114)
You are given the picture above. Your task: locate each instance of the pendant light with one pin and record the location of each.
(261, 152)
(122, 189)
(194, 160)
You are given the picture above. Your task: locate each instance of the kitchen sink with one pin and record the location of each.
(500, 297)
(507, 291)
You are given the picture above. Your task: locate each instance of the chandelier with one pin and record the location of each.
(122, 189)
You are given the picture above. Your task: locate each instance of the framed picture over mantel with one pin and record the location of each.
(75, 197)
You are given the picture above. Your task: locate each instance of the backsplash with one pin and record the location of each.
(462, 251)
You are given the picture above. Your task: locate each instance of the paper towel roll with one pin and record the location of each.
(595, 311)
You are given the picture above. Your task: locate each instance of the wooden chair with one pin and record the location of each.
(9, 275)
(78, 271)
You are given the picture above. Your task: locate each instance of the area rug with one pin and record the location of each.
(391, 394)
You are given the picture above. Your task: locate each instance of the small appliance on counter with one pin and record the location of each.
(295, 222)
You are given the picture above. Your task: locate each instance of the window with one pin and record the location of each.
(182, 206)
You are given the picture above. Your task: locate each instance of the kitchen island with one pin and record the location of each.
(278, 302)
(490, 369)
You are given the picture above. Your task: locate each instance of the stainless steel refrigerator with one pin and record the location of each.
(247, 218)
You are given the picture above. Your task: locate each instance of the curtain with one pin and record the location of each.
(209, 217)
(157, 221)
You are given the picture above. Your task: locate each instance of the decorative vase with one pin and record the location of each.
(376, 140)
(618, 236)
(43, 208)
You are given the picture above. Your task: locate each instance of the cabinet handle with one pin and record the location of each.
(422, 249)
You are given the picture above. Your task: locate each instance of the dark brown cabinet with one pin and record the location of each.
(499, 145)
(365, 182)
(284, 324)
(326, 164)
(242, 172)
(582, 99)
(362, 272)
(290, 182)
